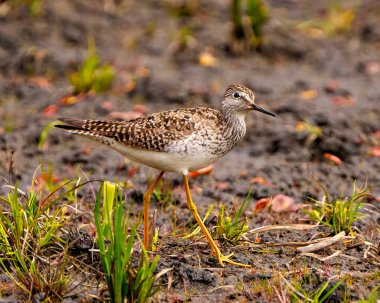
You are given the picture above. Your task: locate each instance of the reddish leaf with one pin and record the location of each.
(282, 203)
(50, 110)
(132, 171)
(261, 180)
(261, 204)
(47, 177)
(334, 159)
(130, 86)
(107, 105)
(375, 151)
(342, 100)
(332, 86)
(125, 115)
(140, 108)
(372, 68)
(70, 99)
(222, 185)
(85, 151)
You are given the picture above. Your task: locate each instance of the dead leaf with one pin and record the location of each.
(130, 86)
(143, 71)
(132, 171)
(332, 86)
(47, 177)
(222, 185)
(197, 189)
(107, 105)
(86, 151)
(140, 108)
(283, 203)
(243, 173)
(40, 82)
(372, 68)
(374, 151)
(343, 100)
(206, 58)
(261, 180)
(334, 159)
(261, 204)
(131, 115)
(50, 110)
(309, 94)
(70, 99)
(203, 171)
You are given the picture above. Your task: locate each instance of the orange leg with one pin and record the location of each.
(146, 208)
(213, 245)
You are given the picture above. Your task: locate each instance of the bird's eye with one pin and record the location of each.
(236, 95)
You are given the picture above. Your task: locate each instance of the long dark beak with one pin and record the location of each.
(260, 109)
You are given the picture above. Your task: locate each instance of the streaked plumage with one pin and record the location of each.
(180, 140)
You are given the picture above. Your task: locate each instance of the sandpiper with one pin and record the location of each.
(180, 140)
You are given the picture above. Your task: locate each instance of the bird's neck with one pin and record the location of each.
(235, 121)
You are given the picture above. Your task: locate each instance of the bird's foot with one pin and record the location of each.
(228, 260)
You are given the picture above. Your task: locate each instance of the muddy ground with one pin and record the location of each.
(332, 82)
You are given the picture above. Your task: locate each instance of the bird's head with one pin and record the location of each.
(239, 99)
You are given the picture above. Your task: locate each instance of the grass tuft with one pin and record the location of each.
(32, 253)
(338, 213)
(91, 75)
(230, 229)
(337, 20)
(125, 283)
(247, 24)
(320, 295)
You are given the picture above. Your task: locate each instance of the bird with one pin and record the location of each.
(180, 140)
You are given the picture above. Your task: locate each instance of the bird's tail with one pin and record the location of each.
(89, 128)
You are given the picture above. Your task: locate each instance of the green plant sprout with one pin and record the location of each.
(29, 233)
(44, 134)
(91, 75)
(125, 283)
(338, 213)
(34, 6)
(373, 297)
(230, 229)
(247, 24)
(183, 8)
(314, 132)
(298, 294)
(338, 20)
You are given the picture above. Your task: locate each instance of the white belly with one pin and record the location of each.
(173, 162)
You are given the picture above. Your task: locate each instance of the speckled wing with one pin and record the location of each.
(152, 132)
